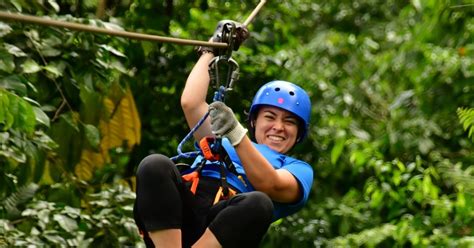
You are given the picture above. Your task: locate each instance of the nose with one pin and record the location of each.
(278, 125)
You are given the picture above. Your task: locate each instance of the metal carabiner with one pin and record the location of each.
(215, 65)
(232, 72)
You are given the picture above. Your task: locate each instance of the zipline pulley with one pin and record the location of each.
(218, 64)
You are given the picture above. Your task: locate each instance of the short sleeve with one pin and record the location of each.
(303, 173)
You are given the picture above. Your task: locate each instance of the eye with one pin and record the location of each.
(291, 121)
(269, 116)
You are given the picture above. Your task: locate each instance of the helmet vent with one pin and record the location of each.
(277, 89)
(292, 93)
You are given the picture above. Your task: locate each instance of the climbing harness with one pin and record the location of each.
(210, 153)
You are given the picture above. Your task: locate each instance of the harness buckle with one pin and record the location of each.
(208, 151)
(221, 195)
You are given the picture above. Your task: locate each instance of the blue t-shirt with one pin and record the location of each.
(302, 171)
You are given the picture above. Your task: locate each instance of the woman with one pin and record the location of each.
(274, 185)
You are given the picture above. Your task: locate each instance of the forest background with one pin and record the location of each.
(392, 129)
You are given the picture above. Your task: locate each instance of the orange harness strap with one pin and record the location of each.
(192, 177)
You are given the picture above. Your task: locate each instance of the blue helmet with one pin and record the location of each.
(287, 96)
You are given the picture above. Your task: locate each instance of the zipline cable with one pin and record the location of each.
(82, 27)
(254, 13)
(132, 35)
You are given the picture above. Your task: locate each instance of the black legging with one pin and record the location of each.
(165, 202)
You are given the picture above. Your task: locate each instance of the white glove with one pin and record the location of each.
(224, 123)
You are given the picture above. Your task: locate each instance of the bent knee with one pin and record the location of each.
(261, 203)
(155, 165)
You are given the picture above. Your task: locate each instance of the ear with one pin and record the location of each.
(252, 124)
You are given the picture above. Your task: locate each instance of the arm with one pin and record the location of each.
(193, 98)
(279, 184)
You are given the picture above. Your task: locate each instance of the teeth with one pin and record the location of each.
(275, 138)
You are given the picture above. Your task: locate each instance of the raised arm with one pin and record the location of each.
(193, 98)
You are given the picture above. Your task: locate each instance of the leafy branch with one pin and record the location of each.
(466, 117)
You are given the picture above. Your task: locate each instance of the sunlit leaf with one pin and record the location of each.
(14, 50)
(112, 50)
(54, 4)
(7, 63)
(112, 26)
(55, 70)
(25, 118)
(92, 135)
(425, 145)
(6, 118)
(54, 239)
(17, 5)
(13, 83)
(417, 5)
(65, 222)
(50, 52)
(30, 66)
(4, 29)
(116, 64)
(337, 150)
(41, 117)
(466, 117)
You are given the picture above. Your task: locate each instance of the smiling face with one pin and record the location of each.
(276, 128)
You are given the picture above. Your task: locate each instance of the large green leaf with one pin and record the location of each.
(17, 113)
(41, 117)
(13, 83)
(4, 29)
(7, 63)
(92, 135)
(30, 66)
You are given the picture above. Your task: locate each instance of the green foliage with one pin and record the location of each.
(392, 162)
(102, 223)
(53, 83)
(390, 140)
(22, 195)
